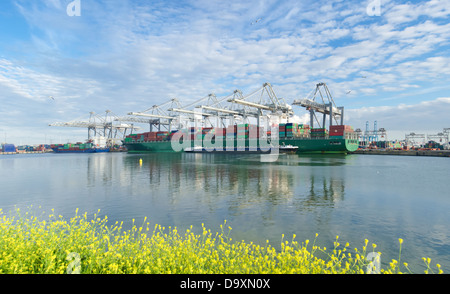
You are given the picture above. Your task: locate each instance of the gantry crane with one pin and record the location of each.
(412, 139)
(447, 142)
(230, 111)
(159, 114)
(438, 138)
(320, 100)
(197, 115)
(99, 126)
(266, 101)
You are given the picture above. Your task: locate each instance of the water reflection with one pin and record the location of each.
(238, 181)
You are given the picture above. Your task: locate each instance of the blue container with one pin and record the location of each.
(9, 148)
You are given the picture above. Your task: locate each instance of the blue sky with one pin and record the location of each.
(126, 56)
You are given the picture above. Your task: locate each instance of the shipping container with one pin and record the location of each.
(8, 148)
(337, 128)
(336, 133)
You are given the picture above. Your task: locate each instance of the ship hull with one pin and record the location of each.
(305, 145)
(89, 150)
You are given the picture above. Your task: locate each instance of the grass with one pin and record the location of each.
(34, 245)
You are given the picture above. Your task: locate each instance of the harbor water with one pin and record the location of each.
(356, 197)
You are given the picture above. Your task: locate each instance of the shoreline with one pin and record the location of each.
(435, 153)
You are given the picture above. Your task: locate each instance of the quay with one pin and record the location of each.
(438, 153)
(24, 152)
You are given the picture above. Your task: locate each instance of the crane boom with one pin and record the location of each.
(189, 111)
(251, 104)
(219, 109)
(319, 107)
(151, 115)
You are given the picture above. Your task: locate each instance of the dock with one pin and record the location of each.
(436, 153)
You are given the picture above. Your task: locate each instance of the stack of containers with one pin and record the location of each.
(339, 131)
(318, 133)
(248, 131)
(282, 130)
(220, 133)
(231, 131)
(150, 136)
(162, 136)
(302, 130)
(254, 132)
(242, 131)
(193, 131)
(201, 134)
(291, 129)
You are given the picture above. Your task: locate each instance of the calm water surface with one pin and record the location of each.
(355, 197)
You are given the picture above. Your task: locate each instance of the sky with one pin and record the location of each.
(384, 61)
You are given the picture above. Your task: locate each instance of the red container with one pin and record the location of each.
(232, 129)
(221, 131)
(336, 133)
(341, 128)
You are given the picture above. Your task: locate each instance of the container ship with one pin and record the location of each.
(299, 138)
(78, 148)
(259, 137)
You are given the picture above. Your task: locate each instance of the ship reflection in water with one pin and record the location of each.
(238, 179)
(262, 199)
